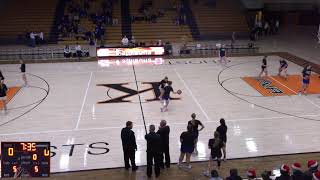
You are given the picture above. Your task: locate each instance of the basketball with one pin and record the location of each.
(179, 91)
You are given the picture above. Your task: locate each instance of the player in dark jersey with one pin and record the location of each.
(194, 123)
(283, 68)
(306, 73)
(1, 76)
(162, 84)
(222, 54)
(165, 98)
(23, 71)
(215, 145)
(264, 67)
(3, 95)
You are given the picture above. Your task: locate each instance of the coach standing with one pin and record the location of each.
(164, 131)
(129, 146)
(153, 151)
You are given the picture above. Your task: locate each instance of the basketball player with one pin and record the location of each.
(222, 54)
(215, 145)
(194, 123)
(222, 130)
(163, 83)
(306, 73)
(1, 77)
(264, 67)
(3, 95)
(165, 98)
(23, 71)
(283, 67)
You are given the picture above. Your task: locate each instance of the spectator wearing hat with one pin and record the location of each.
(251, 174)
(285, 173)
(297, 173)
(312, 168)
(316, 175)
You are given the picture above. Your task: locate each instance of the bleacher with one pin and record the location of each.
(112, 33)
(220, 19)
(21, 16)
(164, 29)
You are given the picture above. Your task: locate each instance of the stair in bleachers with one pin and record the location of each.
(125, 18)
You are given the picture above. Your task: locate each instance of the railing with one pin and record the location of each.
(211, 49)
(36, 53)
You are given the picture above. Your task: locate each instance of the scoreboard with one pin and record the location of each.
(25, 159)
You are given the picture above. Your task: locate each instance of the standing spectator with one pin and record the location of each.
(125, 41)
(3, 95)
(312, 168)
(284, 173)
(129, 146)
(67, 51)
(188, 140)
(23, 72)
(32, 39)
(266, 28)
(251, 174)
(164, 131)
(195, 128)
(277, 25)
(153, 151)
(78, 51)
(297, 173)
(215, 175)
(234, 175)
(1, 76)
(222, 130)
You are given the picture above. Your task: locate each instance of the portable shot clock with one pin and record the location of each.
(25, 159)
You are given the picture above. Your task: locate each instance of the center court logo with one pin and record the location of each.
(266, 84)
(121, 87)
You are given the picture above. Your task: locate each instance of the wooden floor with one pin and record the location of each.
(260, 163)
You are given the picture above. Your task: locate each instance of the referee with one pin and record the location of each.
(129, 146)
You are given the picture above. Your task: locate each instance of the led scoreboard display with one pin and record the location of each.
(25, 159)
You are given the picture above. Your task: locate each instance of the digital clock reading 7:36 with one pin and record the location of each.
(25, 159)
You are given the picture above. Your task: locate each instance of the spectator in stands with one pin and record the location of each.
(266, 175)
(164, 131)
(67, 51)
(234, 175)
(78, 51)
(215, 175)
(153, 151)
(266, 28)
(277, 25)
(133, 41)
(297, 173)
(195, 128)
(312, 168)
(251, 174)
(222, 130)
(188, 140)
(115, 21)
(129, 146)
(284, 173)
(32, 39)
(125, 41)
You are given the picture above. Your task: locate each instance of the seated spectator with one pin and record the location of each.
(32, 39)
(312, 168)
(251, 174)
(125, 41)
(67, 51)
(115, 21)
(133, 41)
(78, 50)
(215, 175)
(234, 175)
(285, 173)
(297, 173)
